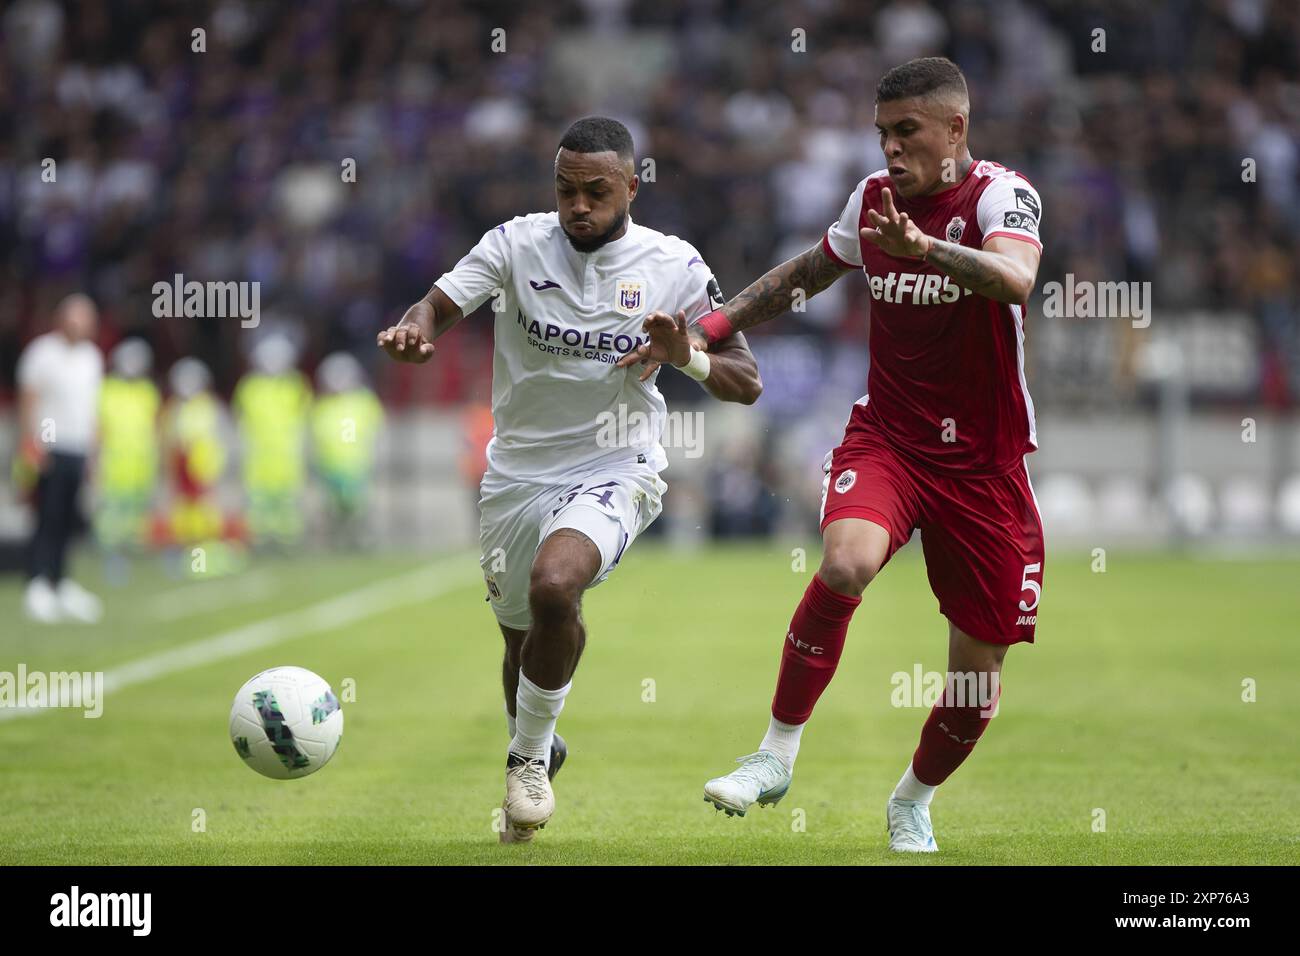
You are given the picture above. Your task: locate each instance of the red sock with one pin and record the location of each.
(812, 651)
(948, 737)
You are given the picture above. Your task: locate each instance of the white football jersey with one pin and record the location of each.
(562, 319)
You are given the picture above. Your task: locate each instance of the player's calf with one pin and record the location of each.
(561, 571)
(948, 738)
(565, 565)
(813, 644)
(960, 717)
(955, 725)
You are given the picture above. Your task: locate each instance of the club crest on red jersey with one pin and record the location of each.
(845, 481)
(955, 229)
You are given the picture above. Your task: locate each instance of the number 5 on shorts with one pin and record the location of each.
(1028, 585)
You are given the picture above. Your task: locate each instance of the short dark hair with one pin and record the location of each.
(929, 74)
(598, 134)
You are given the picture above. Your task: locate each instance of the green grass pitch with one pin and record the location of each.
(1130, 706)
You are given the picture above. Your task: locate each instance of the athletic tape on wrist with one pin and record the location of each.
(698, 367)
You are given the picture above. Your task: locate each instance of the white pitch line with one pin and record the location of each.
(416, 586)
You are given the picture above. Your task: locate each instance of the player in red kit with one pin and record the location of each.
(949, 247)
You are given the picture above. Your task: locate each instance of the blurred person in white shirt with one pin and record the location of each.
(59, 376)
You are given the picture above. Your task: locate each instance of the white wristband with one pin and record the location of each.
(698, 367)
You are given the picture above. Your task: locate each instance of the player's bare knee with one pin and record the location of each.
(847, 573)
(554, 593)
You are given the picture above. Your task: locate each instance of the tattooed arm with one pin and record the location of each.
(1004, 270)
(775, 292)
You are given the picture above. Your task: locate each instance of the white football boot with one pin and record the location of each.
(909, 826)
(79, 604)
(529, 798)
(510, 833)
(761, 778)
(40, 602)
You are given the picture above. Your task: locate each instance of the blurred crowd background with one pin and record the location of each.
(1164, 139)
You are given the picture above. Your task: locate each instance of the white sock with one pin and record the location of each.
(510, 723)
(536, 710)
(783, 740)
(909, 788)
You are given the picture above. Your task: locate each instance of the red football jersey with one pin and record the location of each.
(947, 378)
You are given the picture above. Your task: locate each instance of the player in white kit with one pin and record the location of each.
(566, 492)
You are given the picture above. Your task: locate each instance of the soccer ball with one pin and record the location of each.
(286, 722)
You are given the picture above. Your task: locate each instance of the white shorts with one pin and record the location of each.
(611, 507)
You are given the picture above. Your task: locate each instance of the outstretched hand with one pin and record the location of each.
(895, 232)
(670, 342)
(405, 342)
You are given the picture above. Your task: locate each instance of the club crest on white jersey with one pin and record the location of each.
(629, 297)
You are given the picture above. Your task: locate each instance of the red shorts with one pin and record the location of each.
(982, 537)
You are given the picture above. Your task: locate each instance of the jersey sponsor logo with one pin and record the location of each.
(845, 481)
(543, 286)
(932, 289)
(955, 229)
(715, 293)
(581, 343)
(1019, 220)
(1026, 619)
(1025, 200)
(628, 296)
(801, 646)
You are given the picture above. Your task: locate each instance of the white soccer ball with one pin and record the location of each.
(286, 722)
